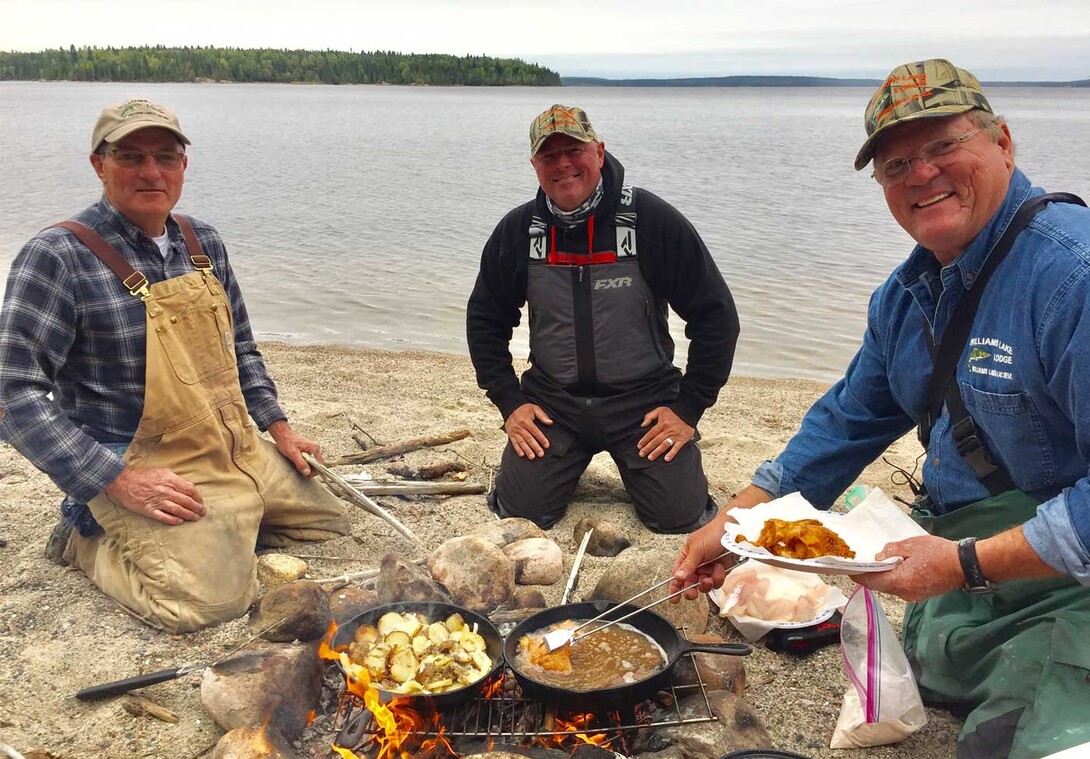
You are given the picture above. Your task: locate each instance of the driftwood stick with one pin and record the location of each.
(370, 487)
(10, 752)
(138, 706)
(366, 574)
(432, 472)
(350, 494)
(396, 449)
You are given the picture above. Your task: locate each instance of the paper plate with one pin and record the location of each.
(821, 617)
(828, 565)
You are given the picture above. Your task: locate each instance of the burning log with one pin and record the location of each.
(396, 449)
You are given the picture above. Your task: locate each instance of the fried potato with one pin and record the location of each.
(404, 650)
(800, 539)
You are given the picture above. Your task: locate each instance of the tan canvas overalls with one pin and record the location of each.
(195, 423)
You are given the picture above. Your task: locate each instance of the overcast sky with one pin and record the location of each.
(999, 39)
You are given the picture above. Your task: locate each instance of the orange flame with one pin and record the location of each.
(325, 650)
(395, 721)
(576, 727)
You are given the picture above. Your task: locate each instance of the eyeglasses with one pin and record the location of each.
(572, 154)
(938, 154)
(134, 159)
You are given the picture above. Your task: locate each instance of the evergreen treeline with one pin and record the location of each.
(186, 64)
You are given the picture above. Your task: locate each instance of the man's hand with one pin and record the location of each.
(668, 434)
(526, 437)
(707, 543)
(292, 446)
(930, 568)
(158, 494)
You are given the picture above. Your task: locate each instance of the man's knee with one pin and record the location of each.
(505, 502)
(176, 592)
(662, 519)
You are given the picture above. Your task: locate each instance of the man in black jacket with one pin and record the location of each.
(599, 264)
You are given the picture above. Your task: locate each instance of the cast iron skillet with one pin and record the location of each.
(434, 612)
(608, 699)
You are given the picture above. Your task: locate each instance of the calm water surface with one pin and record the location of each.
(356, 215)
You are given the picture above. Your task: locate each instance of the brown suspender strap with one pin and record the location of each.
(201, 262)
(133, 280)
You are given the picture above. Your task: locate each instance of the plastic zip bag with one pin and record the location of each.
(882, 703)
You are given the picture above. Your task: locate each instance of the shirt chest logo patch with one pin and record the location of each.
(991, 357)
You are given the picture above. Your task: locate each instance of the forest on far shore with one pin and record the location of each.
(188, 64)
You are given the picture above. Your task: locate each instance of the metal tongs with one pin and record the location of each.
(560, 638)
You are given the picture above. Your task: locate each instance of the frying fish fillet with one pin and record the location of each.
(800, 539)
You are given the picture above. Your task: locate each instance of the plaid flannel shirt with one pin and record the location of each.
(69, 328)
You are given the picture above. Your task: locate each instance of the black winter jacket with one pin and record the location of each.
(676, 267)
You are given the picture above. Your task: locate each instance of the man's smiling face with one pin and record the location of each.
(568, 170)
(144, 195)
(943, 209)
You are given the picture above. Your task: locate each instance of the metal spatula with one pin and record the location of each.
(560, 638)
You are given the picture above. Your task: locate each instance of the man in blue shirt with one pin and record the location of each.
(997, 632)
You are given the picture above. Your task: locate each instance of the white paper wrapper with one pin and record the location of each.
(866, 529)
(758, 597)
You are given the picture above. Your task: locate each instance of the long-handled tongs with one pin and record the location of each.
(560, 638)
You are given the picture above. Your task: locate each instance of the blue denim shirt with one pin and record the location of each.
(1023, 377)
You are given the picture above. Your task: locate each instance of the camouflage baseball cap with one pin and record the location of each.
(560, 119)
(119, 121)
(919, 90)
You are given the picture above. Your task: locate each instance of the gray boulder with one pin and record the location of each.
(474, 571)
(278, 681)
(538, 561)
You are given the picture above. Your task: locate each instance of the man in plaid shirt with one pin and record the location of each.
(80, 379)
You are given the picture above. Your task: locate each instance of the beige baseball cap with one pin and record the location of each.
(923, 89)
(560, 119)
(118, 121)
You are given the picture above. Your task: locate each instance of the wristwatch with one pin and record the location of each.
(975, 581)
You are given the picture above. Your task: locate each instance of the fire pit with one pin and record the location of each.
(501, 714)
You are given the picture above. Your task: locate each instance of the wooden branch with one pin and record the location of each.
(370, 487)
(350, 494)
(366, 574)
(138, 706)
(429, 473)
(396, 449)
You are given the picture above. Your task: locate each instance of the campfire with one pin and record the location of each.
(372, 724)
(422, 669)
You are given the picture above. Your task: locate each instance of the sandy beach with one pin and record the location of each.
(59, 634)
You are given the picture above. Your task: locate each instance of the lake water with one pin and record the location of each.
(356, 215)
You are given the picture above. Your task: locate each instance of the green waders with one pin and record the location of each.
(1017, 661)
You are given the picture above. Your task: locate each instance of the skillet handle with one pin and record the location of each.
(729, 649)
(117, 687)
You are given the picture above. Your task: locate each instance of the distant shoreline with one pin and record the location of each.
(773, 81)
(580, 81)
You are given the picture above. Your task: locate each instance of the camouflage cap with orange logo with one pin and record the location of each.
(923, 89)
(118, 121)
(560, 119)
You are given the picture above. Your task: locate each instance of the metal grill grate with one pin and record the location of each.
(507, 717)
